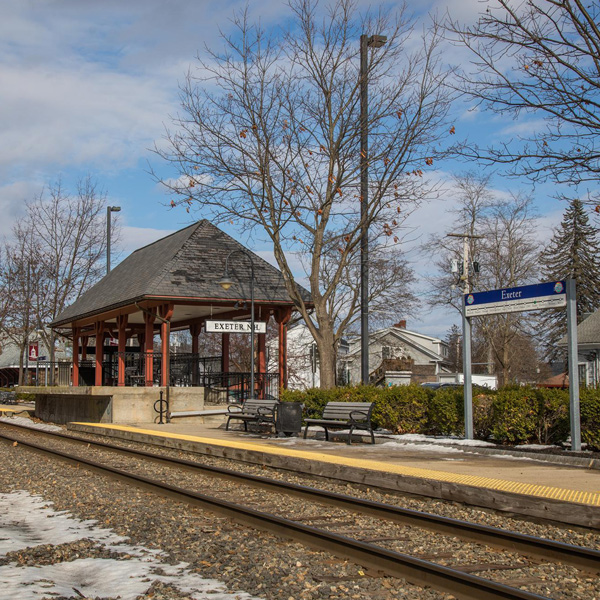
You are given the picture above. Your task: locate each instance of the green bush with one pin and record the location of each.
(445, 414)
(402, 409)
(483, 420)
(514, 415)
(515, 412)
(397, 408)
(553, 415)
(590, 417)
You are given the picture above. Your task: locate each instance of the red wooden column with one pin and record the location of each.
(75, 375)
(149, 347)
(166, 312)
(282, 316)
(225, 353)
(122, 325)
(99, 352)
(262, 360)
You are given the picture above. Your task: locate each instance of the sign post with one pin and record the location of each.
(468, 387)
(556, 294)
(573, 370)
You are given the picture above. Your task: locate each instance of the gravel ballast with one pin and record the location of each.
(259, 563)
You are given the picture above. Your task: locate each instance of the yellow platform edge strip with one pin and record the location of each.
(514, 487)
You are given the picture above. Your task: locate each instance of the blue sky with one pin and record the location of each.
(88, 86)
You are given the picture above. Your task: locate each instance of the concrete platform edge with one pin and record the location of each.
(564, 512)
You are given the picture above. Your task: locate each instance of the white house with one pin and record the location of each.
(397, 356)
(588, 350)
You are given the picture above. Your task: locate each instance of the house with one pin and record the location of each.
(588, 350)
(302, 357)
(398, 356)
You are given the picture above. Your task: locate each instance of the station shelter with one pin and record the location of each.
(173, 285)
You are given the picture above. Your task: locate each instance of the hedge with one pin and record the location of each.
(513, 415)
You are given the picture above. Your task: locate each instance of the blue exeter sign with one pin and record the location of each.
(517, 299)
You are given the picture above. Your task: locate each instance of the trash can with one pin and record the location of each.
(289, 418)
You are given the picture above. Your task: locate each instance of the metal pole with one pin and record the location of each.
(573, 369)
(467, 379)
(467, 383)
(364, 200)
(108, 239)
(109, 209)
(251, 328)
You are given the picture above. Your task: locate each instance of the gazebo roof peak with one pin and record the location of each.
(186, 266)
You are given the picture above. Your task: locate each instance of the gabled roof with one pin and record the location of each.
(401, 334)
(184, 265)
(588, 331)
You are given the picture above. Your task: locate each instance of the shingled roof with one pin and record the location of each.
(184, 265)
(588, 332)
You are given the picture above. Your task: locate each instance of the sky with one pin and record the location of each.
(89, 87)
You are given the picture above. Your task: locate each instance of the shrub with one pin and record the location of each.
(483, 419)
(515, 415)
(402, 409)
(445, 415)
(397, 408)
(553, 419)
(590, 417)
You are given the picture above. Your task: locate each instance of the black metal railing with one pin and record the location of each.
(57, 372)
(185, 370)
(231, 387)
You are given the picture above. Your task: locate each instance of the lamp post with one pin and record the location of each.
(109, 209)
(374, 41)
(226, 282)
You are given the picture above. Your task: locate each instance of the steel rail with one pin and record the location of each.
(585, 559)
(395, 564)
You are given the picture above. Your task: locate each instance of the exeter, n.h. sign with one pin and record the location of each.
(517, 299)
(235, 327)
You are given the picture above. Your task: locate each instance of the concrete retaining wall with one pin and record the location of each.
(110, 404)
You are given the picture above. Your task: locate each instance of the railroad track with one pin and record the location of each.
(452, 579)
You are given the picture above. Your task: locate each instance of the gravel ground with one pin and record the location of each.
(265, 565)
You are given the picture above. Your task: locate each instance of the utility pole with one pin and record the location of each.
(466, 322)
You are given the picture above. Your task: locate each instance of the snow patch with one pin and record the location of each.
(25, 422)
(27, 521)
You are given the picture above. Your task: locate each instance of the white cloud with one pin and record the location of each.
(133, 238)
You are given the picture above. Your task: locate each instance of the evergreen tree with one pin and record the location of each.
(573, 253)
(454, 341)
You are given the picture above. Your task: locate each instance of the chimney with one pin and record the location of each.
(401, 324)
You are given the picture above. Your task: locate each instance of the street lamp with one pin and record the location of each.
(226, 282)
(109, 209)
(374, 41)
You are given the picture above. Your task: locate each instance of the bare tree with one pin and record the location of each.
(269, 139)
(21, 275)
(390, 281)
(507, 253)
(540, 58)
(56, 253)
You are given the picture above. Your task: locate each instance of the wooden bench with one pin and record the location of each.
(344, 415)
(252, 411)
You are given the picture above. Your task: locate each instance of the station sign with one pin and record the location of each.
(235, 327)
(528, 297)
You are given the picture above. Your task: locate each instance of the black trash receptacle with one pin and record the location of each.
(289, 418)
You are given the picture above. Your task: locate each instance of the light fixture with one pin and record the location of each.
(226, 282)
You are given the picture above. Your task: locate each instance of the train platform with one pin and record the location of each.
(537, 487)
